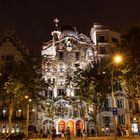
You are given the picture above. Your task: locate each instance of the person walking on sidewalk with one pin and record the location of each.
(68, 133)
(53, 133)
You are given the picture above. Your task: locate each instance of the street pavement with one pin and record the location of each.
(94, 138)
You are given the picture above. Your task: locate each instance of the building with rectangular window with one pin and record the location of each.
(11, 50)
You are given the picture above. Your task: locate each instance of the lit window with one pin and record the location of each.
(18, 113)
(89, 54)
(3, 130)
(4, 112)
(61, 80)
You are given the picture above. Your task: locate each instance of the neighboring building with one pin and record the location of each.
(11, 50)
(69, 49)
(106, 41)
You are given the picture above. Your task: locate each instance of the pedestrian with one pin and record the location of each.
(53, 133)
(81, 133)
(41, 133)
(48, 133)
(78, 132)
(63, 133)
(119, 132)
(68, 133)
(92, 132)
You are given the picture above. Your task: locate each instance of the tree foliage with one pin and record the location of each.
(130, 78)
(93, 83)
(21, 79)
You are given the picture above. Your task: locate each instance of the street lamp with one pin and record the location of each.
(117, 59)
(27, 115)
(86, 122)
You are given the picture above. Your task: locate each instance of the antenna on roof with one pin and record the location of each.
(56, 21)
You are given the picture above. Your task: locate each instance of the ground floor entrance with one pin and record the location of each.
(73, 124)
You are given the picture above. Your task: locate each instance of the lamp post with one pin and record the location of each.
(86, 123)
(117, 59)
(27, 114)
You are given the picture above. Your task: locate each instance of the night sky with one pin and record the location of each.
(32, 20)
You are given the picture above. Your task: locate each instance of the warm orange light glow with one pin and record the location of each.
(26, 97)
(117, 59)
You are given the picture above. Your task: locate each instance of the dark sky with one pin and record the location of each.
(32, 20)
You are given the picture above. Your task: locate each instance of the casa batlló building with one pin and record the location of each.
(67, 50)
(62, 54)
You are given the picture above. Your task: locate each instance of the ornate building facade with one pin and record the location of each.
(67, 50)
(60, 56)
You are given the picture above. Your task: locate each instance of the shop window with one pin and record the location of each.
(61, 80)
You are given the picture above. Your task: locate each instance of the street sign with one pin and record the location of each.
(114, 111)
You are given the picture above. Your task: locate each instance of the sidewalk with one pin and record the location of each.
(93, 138)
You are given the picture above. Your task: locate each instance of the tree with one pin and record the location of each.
(19, 80)
(130, 72)
(93, 85)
